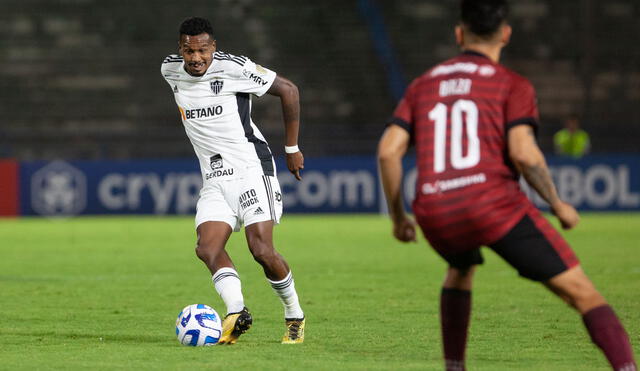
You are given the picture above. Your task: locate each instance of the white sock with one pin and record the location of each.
(286, 291)
(227, 283)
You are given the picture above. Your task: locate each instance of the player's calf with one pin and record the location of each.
(609, 335)
(601, 322)
(260, 241)
(212, 238)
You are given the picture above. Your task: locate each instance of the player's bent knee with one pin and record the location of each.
(460, 273)
(202, 253)
(586, 300)
(459, 278)
(207, 251)
(263, 252)
(261, 246)
(257, 237)
(575, 288)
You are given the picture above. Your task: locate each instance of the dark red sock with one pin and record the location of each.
(455, 309)
(608, 334)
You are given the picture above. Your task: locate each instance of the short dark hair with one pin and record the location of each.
(483, 17)
(573, 116)
(195, 26)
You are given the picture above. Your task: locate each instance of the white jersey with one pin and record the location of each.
(216, 114)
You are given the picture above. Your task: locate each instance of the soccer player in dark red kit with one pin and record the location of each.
(473, 123)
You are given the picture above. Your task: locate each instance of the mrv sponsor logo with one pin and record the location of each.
(58, 189)
(257, 79)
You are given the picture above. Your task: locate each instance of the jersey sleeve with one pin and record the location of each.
(403, 114)
(168, 67)
(521, 105)
(165, 66)
(253, 79)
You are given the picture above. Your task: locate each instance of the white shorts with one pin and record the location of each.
(248, 200)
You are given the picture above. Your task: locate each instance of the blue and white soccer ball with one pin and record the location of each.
(198, 325)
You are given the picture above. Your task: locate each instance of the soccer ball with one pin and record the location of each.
(198, 325)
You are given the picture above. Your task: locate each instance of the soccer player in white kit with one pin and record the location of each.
(213, 92)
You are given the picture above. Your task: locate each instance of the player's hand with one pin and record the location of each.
(404, 230)
(566, 214)
(295, 163)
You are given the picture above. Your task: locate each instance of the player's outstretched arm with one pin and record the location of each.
(529, 160)
(391, 148)
(290, 99)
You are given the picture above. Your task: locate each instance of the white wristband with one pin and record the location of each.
(291, 149)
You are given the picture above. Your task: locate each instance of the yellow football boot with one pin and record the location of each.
(234, 325)
(295, 331)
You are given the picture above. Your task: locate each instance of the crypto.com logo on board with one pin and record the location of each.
(58, 189)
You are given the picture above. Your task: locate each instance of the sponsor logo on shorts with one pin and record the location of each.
(278, 196)
(248, 198)
(217, 166)
(258, 211)
(216, 162)
(219, 173)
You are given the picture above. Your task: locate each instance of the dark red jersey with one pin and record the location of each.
(458, 114)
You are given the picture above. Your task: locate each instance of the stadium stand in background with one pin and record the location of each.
(80, 79)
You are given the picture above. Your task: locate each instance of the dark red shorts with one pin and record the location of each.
(533, 247)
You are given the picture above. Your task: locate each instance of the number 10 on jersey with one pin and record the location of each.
(463, 114)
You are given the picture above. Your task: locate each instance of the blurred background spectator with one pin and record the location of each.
(571, 140)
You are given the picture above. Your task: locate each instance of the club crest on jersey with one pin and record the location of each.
(216, 86)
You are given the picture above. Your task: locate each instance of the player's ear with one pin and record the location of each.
(459, 35)
(506, 34)
(214, 45)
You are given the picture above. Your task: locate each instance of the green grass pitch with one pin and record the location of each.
(104, 293)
